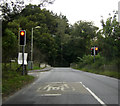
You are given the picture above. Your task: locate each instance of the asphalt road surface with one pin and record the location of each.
(67, 86)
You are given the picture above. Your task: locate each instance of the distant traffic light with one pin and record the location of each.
(92, 51)
(22, 37)
(96, 50)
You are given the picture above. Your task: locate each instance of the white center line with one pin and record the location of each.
(93, 94)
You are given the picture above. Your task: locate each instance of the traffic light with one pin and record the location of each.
(22, 37)
(96, 50)
(92, 51)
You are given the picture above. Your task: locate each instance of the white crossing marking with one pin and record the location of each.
(97, 98)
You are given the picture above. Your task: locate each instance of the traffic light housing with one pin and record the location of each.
(96, 50)
(92, 51)
(22, 37)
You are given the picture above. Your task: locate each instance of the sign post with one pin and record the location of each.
(23, 43)
(23, 73)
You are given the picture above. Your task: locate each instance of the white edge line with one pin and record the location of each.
(97, 98)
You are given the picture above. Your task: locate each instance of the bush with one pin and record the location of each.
(100, 66)
(89, 60)
(86, 60)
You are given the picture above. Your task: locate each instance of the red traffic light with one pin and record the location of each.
(22, 33)
(22, 37)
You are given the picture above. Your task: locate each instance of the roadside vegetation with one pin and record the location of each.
(37, 67)
(100, 66)
(13, 80)
(107, 62)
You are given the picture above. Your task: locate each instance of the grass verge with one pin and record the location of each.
(12, 81)
(113, 74)
(12, 85)
(36, 67)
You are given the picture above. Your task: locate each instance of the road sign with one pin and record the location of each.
(20, 59)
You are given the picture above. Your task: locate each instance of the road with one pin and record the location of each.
(67, 86)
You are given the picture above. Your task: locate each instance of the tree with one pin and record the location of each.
(9, 46)
(110, 32)
(83, 33)
(11, 9)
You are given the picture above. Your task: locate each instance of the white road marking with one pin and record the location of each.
(58, 82)
(50, 94)
(46, 86)
(49, 88)
(93, 94)
(38, 89)
(57, 87)
(62, 88)
(65, 85)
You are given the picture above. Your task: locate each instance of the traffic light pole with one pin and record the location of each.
(32, 50)
(23, 48)
(22, 41)
(94, 55)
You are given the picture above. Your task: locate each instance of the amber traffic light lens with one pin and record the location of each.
(96, 48)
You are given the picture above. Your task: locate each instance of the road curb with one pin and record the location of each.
(42, 70)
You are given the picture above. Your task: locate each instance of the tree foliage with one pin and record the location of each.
(109, 42)
(56, 41)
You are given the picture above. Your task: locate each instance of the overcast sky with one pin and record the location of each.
(87, 10)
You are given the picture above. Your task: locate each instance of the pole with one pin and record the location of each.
(23, 47)
(18, 39)
(94, 54)
(119, 11)
(32, 50)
